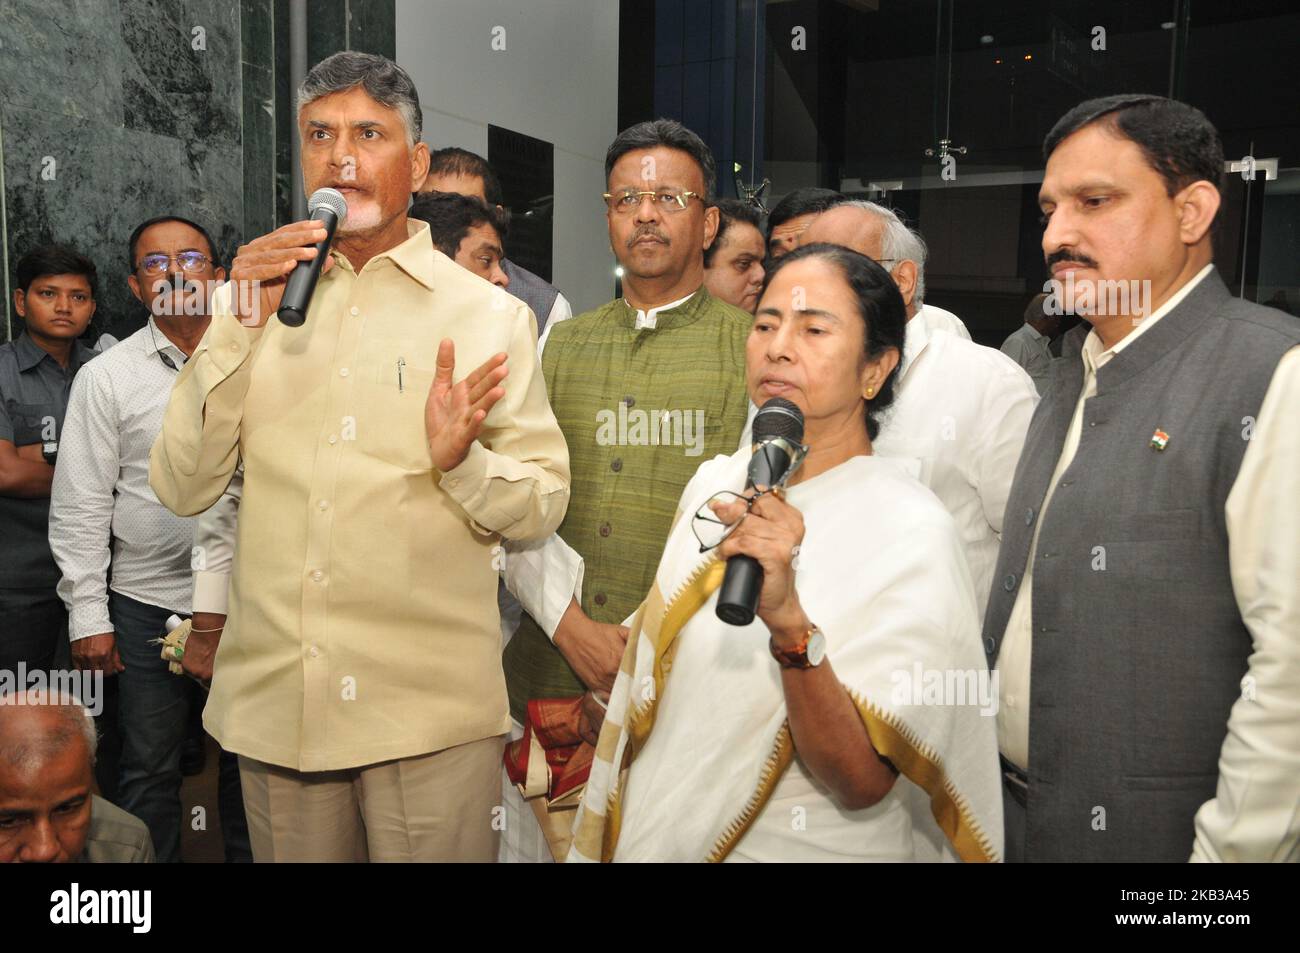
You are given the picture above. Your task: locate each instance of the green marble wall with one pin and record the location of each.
(113, 111)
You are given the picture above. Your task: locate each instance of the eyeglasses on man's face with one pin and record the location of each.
(625, 201)
(189, 261)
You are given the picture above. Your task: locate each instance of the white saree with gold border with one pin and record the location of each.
(695, 759)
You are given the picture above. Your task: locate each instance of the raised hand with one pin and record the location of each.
(454, 413)
(770, 532)
(261, 269)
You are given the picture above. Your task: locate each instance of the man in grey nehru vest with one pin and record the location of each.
(1145, 606)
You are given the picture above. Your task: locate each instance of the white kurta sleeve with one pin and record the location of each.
(544, 576)
(1253, 815)
(1009, 402)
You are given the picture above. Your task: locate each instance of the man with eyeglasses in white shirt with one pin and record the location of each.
(105, 520)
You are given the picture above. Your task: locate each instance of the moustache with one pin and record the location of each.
(647, 231)
(1064, 254)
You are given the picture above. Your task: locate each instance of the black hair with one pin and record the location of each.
(55, 259)
(669, 134)
(451, 215)
(1177, 140)
(383, 80)
(884, 316)
(454, 161)
(729, 212)
(809, 201)
(134, 240)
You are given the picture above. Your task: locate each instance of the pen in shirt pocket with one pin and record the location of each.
(401, 363)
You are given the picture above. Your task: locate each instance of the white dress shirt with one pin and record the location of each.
(102, 508)
(960, 414)
(1253, 815)
(1028, 348)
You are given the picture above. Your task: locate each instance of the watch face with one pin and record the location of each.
(816, 647)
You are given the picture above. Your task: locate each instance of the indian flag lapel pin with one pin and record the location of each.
(1159, 439)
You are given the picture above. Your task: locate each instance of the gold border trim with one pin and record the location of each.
(688, 599)
(892, 738)
(773, 768)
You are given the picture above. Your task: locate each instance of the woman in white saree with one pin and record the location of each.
(806, 735)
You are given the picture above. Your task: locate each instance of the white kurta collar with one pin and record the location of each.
(648, 319)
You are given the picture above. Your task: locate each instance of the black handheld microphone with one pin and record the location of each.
(327, 206)
(778, 434)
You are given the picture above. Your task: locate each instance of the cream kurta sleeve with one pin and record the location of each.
(1253, 815)
(515, 479)
(196, 453)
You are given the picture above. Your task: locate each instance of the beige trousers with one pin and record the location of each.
(443, 806)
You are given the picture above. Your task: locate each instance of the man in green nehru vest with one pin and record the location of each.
(645, 388)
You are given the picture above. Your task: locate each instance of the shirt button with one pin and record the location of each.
(604, 529)
(355, 311)
(333, 439)
(616, 464)
(1029, 516)
(1011, 701)
(454, 482)
(317, 575)
(343, 372)
(315, 652)
(629, 400)
(1010, 582)
(324, 504)
(600, 599)
(234, 347)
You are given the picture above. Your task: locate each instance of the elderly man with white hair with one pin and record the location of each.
(47, 811)
(962, 409)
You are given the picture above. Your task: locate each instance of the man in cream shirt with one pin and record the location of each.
(1144, 612)
(358, 675)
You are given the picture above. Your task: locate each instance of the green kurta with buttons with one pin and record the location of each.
(640, 410)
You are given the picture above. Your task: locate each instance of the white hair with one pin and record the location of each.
(897, 241)
(73, 719)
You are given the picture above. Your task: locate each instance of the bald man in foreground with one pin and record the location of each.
(962, 410)
(48, 813)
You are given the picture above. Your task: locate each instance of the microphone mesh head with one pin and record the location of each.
(779, 418)
(331, 199)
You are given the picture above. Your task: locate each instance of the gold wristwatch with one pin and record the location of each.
(807, 654)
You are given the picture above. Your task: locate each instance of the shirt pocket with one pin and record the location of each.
(390, 407)
(33, 423)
